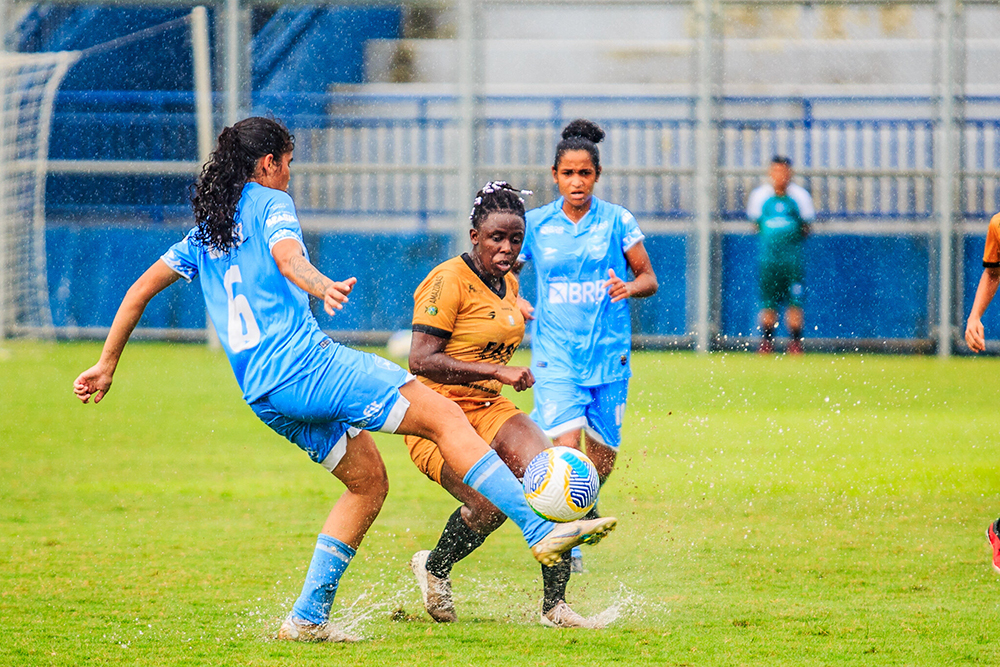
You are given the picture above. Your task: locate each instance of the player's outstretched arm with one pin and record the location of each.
(427, 358)
(975, 336)
(96, 380)
(292, 264)
(644, 284)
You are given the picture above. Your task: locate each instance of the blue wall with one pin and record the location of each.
(857, 286)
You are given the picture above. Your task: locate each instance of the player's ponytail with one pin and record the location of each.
(497, 196)
(230, 167)
(581, 135)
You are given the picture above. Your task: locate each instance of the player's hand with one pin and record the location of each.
(518, 377)
(336, 294)
(527, 310)
(975, 337)
(93, 382)
(617, 288)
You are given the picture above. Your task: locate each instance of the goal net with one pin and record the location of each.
(28, 85)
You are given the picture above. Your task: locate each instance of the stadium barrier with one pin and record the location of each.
(372, 163)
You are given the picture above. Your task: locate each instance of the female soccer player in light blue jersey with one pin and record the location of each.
(256, 279)
(582, 249)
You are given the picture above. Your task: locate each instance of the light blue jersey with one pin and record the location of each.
(578, 334)
(264, 322)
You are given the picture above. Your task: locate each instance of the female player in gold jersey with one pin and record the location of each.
(466, 327)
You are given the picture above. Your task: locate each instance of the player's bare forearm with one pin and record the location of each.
(446, 369)
(292, 264)
(985, 292)
(428, 359)
(96, 381)
(645, 283)
(306, 276)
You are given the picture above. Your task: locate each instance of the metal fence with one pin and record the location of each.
(366, 156)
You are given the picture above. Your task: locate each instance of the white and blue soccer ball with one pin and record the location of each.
(561, 484)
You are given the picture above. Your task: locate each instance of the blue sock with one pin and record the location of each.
(491, 477)
(329, 561)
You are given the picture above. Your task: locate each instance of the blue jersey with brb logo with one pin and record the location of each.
(578, 334)
(264, 322)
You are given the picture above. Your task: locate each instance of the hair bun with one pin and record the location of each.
(581, 127)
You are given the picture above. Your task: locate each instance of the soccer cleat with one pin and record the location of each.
(795, 347)
(576, 561)
(766, 347)
(565, 536)
(436, 591)
(994, 540)
(297, 630)
(562, 616)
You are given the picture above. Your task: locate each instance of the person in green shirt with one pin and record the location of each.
(782, 213)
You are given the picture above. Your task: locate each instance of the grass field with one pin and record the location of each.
(822, 510)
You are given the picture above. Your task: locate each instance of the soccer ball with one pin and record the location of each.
(561, 484)
(398, 346)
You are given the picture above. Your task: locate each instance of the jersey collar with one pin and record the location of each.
(502, 292)
(584, 224)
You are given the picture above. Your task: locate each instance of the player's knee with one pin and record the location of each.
(448, 420)
(370, 480)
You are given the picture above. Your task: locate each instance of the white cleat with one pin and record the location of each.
(435, 590)
(297, 630)
(562, 616)
(565, 536)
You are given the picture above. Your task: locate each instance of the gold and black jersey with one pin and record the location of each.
(453, 302)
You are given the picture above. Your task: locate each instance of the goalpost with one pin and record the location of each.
(28, 86)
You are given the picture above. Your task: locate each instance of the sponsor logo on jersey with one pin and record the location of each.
(548, 230)
(279, 217)
(431, 310)
(436, 292)
(492, 314)
(510, 318)
(591, 291)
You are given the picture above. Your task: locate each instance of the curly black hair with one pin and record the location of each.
(232, 164)
(581, 135)
(496, 196)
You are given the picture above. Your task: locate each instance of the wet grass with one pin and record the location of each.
(824, 510)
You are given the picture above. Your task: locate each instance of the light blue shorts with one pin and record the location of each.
(353, 392)
(562, 406)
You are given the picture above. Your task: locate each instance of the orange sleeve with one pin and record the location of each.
(436, 303)
(991, 254)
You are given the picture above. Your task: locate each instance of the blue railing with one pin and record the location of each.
(386, 155)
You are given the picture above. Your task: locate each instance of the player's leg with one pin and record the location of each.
(436, 418)
(519, 441)
(794, 318)
(352, 457)
(364, 476)
(769, 301)
(561, 412)
(768, 323)
(464, 532)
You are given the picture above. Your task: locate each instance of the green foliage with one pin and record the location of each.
(822, 510)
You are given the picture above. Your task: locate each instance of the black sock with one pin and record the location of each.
(554, 581)
(457, 541)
